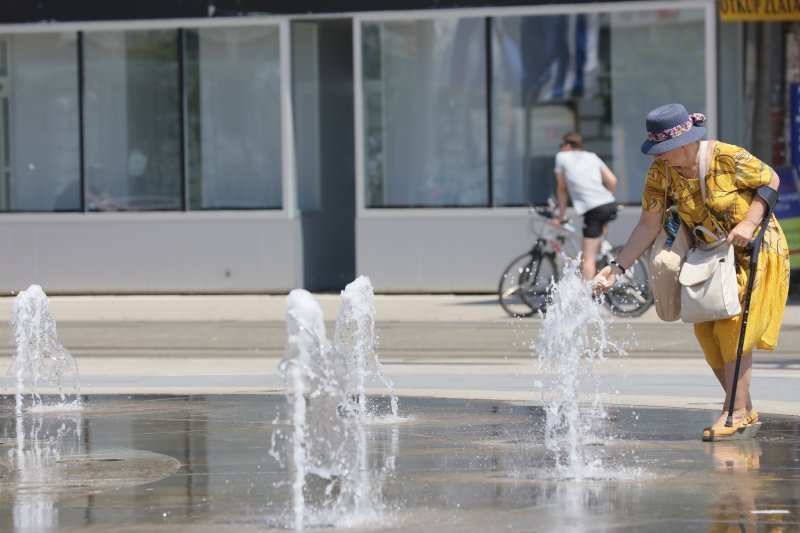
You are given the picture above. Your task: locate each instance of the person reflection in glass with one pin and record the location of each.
(97, 199)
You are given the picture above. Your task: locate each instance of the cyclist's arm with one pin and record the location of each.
(562, 194)
(609, 179)
(642, 237)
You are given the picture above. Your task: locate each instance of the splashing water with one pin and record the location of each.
(573, 339)
(331, 484)
(41, 361)
(355, 339)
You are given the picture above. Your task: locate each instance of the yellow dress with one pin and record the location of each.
(732, 179)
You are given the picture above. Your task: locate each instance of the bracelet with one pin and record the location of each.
(622, 269)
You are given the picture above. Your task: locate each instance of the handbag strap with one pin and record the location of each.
(711, 245)
(703, 170)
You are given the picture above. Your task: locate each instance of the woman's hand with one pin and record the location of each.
(604, 280)
(741, 234)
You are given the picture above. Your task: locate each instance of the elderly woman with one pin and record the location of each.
(730, 204)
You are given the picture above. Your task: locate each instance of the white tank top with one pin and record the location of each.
(582, 172)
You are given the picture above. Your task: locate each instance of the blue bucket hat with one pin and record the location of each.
(671, 126)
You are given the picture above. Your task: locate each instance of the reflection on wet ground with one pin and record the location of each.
(202, 463)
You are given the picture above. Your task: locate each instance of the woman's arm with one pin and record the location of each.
(742, 233)
(641, 239)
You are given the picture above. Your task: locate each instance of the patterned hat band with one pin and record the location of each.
(695, 119)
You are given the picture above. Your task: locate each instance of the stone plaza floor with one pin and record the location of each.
(182, 397)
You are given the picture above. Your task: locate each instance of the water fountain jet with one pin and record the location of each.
(331, 483)
(41, 360)
(573, 339)
(355, 340)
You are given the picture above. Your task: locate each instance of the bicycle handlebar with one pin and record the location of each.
(549, 212)
(543, 210)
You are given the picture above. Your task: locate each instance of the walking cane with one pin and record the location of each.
(771, 197)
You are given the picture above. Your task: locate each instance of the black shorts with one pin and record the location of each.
(595, 219)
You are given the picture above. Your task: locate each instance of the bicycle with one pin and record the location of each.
(525, 284)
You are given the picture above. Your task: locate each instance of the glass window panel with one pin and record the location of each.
(425, 113)
(132, 121)
(674, 71)
(546, 82)
(234, 118)
(556, 73)
(39, 141)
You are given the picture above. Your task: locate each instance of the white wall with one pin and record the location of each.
(419, 250)
(458, 250)
(151, 252)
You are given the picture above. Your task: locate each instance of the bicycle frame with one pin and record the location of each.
(557, 241)
(522, 289)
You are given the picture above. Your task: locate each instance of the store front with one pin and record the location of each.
(260, 153)
(492, 95)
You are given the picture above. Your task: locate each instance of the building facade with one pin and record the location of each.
(207, 147)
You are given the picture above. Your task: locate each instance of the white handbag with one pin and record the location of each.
(708, 284)
(708, 276)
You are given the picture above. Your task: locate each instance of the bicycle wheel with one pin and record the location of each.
(524, 285)
(631, 295)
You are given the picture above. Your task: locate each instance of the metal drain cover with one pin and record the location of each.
(27, 474)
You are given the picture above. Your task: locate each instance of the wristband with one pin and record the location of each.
(620, 267)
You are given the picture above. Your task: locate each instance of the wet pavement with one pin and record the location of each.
(203, 463)
(182, 398)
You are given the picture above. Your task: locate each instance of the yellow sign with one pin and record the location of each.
(759, 9)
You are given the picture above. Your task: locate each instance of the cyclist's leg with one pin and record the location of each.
(588, 254)
(595, 223)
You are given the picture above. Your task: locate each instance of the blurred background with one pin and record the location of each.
(253, 146)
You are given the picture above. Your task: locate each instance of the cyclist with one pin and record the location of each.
(582, 176)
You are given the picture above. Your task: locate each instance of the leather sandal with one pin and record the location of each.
(745, 429)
